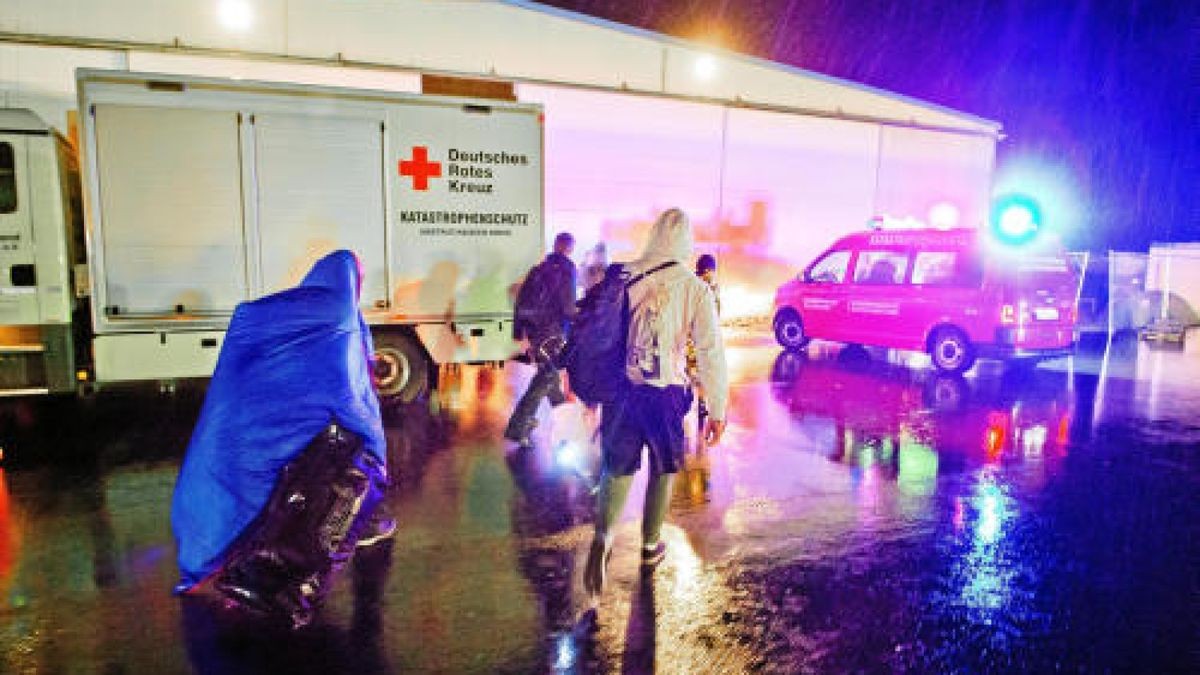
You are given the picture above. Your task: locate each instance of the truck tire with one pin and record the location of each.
(789, 330)
(951, 351)
(401, 368)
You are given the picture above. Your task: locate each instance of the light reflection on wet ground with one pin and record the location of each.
(860, 516)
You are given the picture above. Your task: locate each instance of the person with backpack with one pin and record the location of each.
(666, 307)
(542, 315)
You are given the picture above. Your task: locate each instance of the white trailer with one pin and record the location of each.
(201, 193)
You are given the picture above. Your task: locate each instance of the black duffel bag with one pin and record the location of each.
(282, 566)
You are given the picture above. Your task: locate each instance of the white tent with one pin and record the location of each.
(771, 161)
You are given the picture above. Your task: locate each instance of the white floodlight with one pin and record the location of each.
(235, 15)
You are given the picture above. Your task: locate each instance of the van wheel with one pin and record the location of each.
(951, 351)
(946, 393)
(401, 371)
(789, 330)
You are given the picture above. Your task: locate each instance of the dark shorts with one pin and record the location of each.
(649, 417)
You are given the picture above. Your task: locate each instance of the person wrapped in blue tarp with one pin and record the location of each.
(288, 453)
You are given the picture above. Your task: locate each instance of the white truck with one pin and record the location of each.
(199, 193)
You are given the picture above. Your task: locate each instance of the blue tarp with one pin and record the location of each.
(291, 364)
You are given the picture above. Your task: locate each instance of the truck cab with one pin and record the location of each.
(40, 248)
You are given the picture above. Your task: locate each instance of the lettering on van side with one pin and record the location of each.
(820, 304)
(876, 308)
(917, 240)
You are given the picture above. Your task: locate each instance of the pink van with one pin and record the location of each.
(955, 294)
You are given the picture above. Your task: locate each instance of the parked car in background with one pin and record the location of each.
(955, 294)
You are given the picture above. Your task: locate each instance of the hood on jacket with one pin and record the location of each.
(670, 239)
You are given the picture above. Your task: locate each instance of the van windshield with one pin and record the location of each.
(829, 268)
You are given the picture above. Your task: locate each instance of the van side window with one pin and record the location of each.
(880, 267)
(945, 268)
(8, 179)
(831, 269)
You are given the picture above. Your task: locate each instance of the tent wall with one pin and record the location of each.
(511, 39)
(771, 162)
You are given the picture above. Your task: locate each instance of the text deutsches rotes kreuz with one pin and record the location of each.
(473, 171)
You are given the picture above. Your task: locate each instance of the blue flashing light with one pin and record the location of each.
(1016, 219)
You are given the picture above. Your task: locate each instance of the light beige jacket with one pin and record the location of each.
(669, 308)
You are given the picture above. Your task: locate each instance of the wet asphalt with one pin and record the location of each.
(861, 515)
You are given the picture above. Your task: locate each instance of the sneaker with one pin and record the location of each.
(652, 555)
(381, 527)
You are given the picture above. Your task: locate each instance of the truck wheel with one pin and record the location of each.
(789, 330)
(401, 368)
(951, 351)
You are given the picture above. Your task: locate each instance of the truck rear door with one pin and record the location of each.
(320, 188)
(170, 191)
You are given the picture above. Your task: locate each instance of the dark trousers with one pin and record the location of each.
(545, 384)
(645, 417)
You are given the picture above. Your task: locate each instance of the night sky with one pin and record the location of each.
(1101, 98)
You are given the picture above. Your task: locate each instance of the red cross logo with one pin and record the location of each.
(420, 168)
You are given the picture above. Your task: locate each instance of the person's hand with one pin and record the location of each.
(713, 430)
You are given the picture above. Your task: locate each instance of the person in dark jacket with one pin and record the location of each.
(543, 316)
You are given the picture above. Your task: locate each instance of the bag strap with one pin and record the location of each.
(648, 272)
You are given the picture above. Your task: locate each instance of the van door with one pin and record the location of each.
(1046, 286)
(18, 287)
(876, 298)
(947, 290)
(823, 296)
